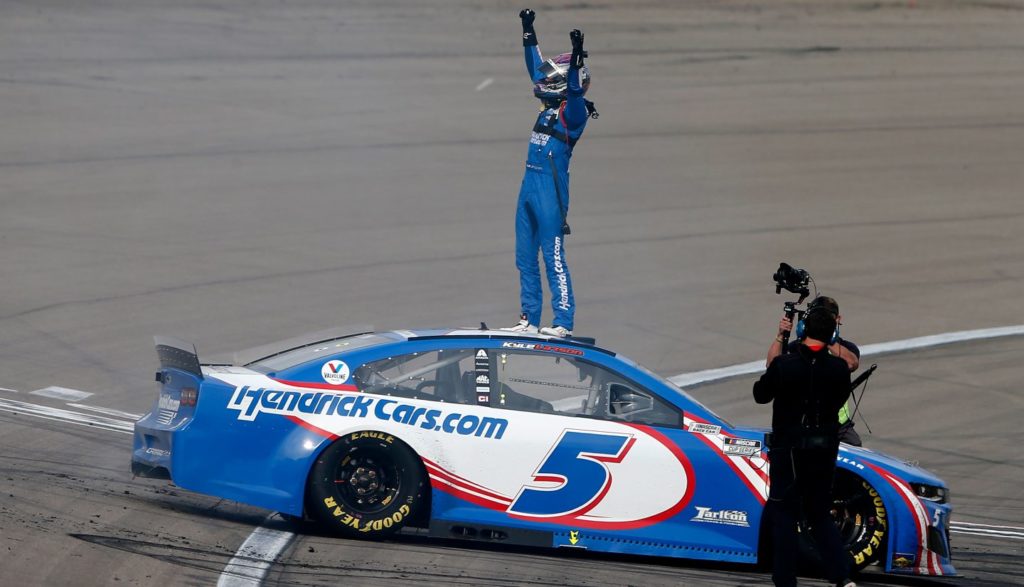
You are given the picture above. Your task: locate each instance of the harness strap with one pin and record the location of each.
(548, 126)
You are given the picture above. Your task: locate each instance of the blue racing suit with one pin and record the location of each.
(544, 200)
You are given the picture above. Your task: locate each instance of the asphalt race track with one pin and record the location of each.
(237, 172)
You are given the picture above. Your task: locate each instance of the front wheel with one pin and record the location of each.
(366, 484)
(859, 515)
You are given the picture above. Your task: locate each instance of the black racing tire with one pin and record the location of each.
(860, 515)
(861, 518)
(366, 484)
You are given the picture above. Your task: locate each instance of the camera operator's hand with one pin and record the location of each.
(529, 35)
(775, 349)
(576, 36)
(785, 325)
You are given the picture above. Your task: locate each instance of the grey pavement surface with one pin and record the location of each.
(233, 173)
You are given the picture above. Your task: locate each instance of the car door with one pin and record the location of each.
(622, 461)
(599, 459)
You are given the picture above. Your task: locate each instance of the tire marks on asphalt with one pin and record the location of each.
(67, 416)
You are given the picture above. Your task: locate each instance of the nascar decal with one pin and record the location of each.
(702, 428)
(738, 453)
(334, 372)
(251, 401)
(741, 446)
(627, 477)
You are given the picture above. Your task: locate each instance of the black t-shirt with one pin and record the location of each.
(807, 389)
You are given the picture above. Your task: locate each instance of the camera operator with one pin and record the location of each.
(842, 348)
(807, 388)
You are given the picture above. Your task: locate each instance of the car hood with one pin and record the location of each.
(907, 470)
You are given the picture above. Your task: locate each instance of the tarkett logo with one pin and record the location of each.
(727, 517)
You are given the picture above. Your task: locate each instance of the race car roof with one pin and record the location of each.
(294, 350)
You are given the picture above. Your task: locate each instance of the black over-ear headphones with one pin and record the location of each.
(816, 306)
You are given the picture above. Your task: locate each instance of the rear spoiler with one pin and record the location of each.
(178, 354)
(259, 353)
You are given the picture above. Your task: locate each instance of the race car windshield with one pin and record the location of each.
(679, 390)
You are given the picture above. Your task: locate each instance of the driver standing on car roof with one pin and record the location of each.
(560, 84)
(806, 387)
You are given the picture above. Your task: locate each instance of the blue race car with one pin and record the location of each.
(512, 438)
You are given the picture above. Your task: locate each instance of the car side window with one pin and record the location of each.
(555, 384)
(438, 375)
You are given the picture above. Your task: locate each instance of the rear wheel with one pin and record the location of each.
(366, 484)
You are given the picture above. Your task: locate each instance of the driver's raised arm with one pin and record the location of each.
(575, 106)
(530, 48)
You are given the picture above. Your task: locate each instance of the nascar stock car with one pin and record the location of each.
(510, 438)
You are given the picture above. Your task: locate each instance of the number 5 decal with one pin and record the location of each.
(577, 464)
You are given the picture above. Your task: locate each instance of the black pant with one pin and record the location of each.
(801, 488)
(848, 434)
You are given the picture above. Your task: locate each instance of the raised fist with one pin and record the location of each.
(529, 35)
(576, 36)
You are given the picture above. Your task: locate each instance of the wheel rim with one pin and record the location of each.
(367, 481)
(862, 528)
(856, 516)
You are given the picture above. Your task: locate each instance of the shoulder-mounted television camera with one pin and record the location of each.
(794, 280)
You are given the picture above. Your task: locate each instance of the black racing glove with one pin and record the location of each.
(576, 36)
(529, 35)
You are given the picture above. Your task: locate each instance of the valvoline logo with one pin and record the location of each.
(334, 372)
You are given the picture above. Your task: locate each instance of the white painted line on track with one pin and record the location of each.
(485, 83)
(907, 344)
(63, 393)
(67, 416)
(252, 561)
(107, 411)
(269, 546)
(10, 390)
(992, 531)
(999, 535)
(709, 375)
(958, 524)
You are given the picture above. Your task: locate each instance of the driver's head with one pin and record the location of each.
(552, 88)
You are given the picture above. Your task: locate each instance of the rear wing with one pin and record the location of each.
(249, 356)
(178, 354)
